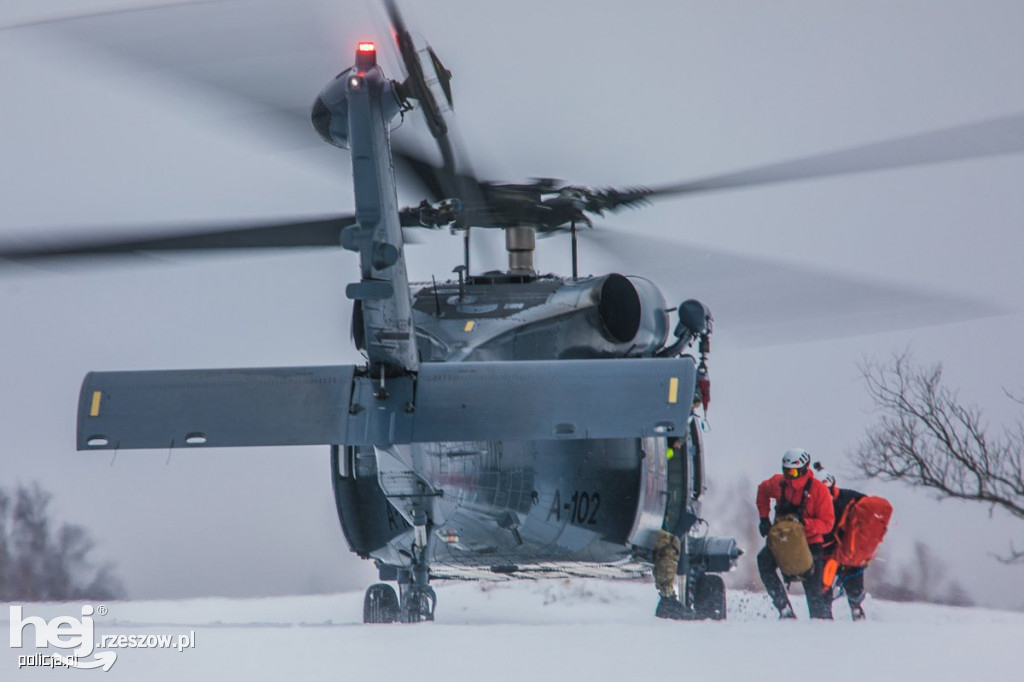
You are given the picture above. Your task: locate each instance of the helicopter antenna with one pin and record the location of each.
(575, 256)
(461, 270)
(437, 301)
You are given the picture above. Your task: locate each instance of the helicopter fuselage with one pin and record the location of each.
(575, 507)
(585, 507)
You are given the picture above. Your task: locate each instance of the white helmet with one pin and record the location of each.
(797, 458)
(824, 476)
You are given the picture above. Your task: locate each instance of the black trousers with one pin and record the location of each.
(851, 580)
(818, 603)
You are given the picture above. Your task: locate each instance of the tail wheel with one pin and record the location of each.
(380, 605)
(709, 597)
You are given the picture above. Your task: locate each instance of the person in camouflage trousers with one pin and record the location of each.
(667, 547)
(666, 559)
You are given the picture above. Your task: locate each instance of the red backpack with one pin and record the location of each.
(861, 530)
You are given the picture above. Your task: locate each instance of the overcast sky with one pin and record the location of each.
(599, 93)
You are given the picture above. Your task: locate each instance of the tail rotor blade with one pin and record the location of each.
(444, 76)
(415, 85)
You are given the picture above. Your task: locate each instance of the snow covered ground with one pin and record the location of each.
(579, 630)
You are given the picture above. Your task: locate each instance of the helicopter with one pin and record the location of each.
(439, 470)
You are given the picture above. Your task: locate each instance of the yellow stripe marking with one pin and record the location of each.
(673, 390)
(94, 410)
(469, 325)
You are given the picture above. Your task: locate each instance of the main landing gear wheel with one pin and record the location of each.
(418, 604)
(709, 597)
(380, 605)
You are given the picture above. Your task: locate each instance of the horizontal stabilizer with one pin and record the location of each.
(214, 408)
(444, 402)
(538, 400)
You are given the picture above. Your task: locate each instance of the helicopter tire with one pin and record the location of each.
(380, 605)
(418, 605)
(709, 597)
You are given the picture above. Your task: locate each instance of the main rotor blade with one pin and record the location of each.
(284, 234)
(997, 136)
(273, 56)
(438, 183)
(265, 59)
(484, 204)
(759, 302)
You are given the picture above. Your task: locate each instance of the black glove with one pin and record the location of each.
(764, 527)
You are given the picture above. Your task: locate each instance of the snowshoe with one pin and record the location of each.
(786, 613)
(857, 612)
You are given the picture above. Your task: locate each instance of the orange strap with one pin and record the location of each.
(841, 524)
(828, 574)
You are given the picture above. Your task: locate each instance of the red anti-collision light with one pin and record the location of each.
(366, 55)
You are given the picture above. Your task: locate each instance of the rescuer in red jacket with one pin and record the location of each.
(849, 578)
(796, 491)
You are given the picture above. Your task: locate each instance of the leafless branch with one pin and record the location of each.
(926, 437)
(43, 561)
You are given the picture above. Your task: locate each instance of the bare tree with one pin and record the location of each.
(41, 561)
(926, 437)
(5, 550)
(923, 579)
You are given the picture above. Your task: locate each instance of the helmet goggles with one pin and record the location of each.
(794, 472)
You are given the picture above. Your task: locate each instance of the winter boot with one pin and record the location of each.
(670, 607)
(786, 613)
(857, 612)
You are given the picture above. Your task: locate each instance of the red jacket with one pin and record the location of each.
(819, 517)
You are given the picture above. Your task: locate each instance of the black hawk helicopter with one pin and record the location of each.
(507, 424)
